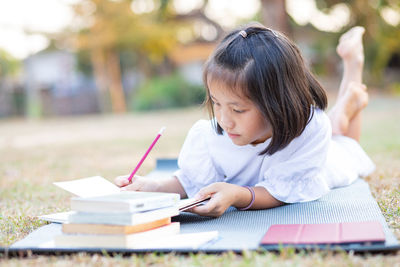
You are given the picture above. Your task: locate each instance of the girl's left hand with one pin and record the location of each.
(223, 195)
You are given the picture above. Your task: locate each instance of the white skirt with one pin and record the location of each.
(346, 162)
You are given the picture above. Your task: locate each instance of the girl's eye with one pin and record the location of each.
(214, 103)
(238, 111)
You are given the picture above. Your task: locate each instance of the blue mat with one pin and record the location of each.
(243, 230)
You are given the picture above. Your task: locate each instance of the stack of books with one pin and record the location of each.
(121, 220)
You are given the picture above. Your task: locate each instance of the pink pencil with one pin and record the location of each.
(147, 152)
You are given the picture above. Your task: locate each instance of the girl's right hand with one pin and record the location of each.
(122, 180)
(138, 183)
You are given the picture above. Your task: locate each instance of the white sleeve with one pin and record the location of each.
(196, 168)
(299, 174)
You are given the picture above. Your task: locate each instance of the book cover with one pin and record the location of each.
(329, 233)
(76, 228)
(116, 241)
(185, 204)
(127, 201)
(123, 218)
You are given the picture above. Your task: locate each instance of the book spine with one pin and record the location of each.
(73, 228)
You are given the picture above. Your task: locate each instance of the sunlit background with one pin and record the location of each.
(63, 57)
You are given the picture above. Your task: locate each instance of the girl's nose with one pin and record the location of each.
(226, 121)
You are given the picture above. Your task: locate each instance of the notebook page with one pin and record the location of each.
(89, 187)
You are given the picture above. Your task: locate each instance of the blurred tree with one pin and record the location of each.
(382, 40)
(199, 14)
(12, 96)
(113, 27)
(273, 15)
(9, 66)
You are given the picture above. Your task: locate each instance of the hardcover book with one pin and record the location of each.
(128, 201)
(123, 218)
(106, 229)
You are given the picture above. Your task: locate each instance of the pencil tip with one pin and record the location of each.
(162, 130)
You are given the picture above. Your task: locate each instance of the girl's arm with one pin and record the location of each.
(140, 183)
(263, 199)
(224, 195)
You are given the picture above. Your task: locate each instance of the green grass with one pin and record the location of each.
(33, 154)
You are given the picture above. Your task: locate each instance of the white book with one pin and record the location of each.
(116, 241)
(128, 202)
(123, 218)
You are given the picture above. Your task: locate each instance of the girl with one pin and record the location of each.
(269, 141)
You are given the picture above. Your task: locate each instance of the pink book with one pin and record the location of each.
(327, 233)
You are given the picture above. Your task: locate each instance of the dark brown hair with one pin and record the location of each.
(268, 68)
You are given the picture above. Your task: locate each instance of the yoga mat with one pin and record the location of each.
(243, 230)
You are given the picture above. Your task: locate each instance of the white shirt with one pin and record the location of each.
(304, 170)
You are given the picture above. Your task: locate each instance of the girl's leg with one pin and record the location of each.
(350, 49)
(352, 97)
(345, 114)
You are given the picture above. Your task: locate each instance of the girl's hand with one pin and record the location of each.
(138, 183)
(223, 195)
(122, 180)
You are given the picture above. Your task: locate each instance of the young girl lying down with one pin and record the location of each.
(269, 141)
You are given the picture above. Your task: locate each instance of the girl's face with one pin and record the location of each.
(238, 116)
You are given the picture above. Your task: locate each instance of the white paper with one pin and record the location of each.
(89, 187)
(60, 217)
(179, 241)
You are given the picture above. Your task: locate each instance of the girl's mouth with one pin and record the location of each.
(233, 135)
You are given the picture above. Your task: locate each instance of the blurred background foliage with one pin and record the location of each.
(9, 66)
(167, 91)
(381, 40)
(121, 55)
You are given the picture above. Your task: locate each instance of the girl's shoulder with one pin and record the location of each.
(202, 127)
(318, 131)
(319, 122)
(201, 131)
(319, 116)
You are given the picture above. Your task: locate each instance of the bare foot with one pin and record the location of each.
(347, 107)
(350, 47)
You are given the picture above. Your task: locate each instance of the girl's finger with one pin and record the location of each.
(131, 187)
(206, 208)
(205, 192)
(203, 211)
(121, 181)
